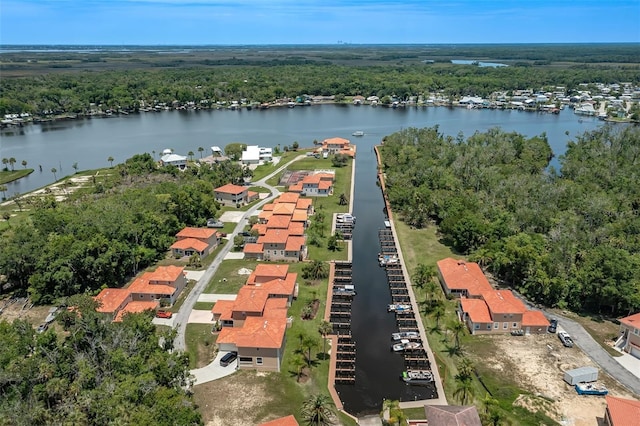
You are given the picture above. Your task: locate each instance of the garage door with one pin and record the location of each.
(635, 352)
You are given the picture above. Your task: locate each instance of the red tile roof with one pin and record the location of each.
(260, 227)
(336, 141)
(296, 229)
(324, 185)
(111, 298)
(461, 275)
(276, 307)
(296, 187)
(295, 243)
(231, 189)
(265, 215)
(288, 197)
(274, 236)
(141, 285)
(223, 309)
(200, 233)
(503, 302)
(279, 286)
(623, 412)
(284, 208)
(278, 221)
(259, 332)
(282, 421)
(252, 194)
(632, 321)
(165, 274)
(268, 207)
(303, 203)
(266, 272)
(190, 243)
(253, 248)
(136, 307)
(534, 319)
(476, 309)
(250, 299)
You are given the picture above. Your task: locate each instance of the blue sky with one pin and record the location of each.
(229, 22)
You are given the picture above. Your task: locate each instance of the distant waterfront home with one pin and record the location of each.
(333, 146)
(234, 195)
(195, 240)
(254, 154)
(630, 335)
(315, 185)
(621, 412)
(170, 159)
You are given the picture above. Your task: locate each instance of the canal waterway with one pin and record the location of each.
(90, 142)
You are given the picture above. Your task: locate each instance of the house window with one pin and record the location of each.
(259, 360)
(636, 331)
(515, 324)
(488, 326)
(245, 360)
(505, 325)
(496, 325)
(476, 326)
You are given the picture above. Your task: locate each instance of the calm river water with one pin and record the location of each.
(91, 142)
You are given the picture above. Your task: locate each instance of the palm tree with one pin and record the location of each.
(315, 270)
(309, 342)
(343, 200)
(200, 150)
(24, 163)
(438, 312)
(190, 154)
(464, 389)
(110, 160)
(5, 161)
(12, 161)
(457, 328)
(75, 167)
(317, 410)
(423, 274)
(54, 171)
(325, 328)
(298, 362)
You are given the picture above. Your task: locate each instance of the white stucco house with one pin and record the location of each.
(170, 159)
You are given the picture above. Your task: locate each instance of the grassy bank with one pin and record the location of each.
(7, 176)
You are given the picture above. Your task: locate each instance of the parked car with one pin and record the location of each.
(164, 314)
(553, 326)
(214, 223)
(228, 358)
(565, 339)
(519, 332)
(42, 328)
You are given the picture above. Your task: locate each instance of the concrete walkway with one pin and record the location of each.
(214, 370)
(214, 297)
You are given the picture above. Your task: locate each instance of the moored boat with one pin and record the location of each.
(406, 345)
(394, 307)
(405, 335)
(358, 133)
(417, 376)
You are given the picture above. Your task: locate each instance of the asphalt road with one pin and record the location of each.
(182, 317)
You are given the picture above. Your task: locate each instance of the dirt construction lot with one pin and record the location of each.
(538, 363)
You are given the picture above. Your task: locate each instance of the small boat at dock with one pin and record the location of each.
(358, 133)
(417, 377)
(344, 290)
(394, 307)
(387, 259)
(405, 335)
(406, 345)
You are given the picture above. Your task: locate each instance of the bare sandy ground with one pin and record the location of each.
(538, 363)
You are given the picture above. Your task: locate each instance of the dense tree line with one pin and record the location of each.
(96, 372)
(102, 238)
(76, 92)
(567, 239)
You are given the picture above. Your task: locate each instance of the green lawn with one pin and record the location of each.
(226, 279)
(265, 169)
(7, 176)
(200, 344)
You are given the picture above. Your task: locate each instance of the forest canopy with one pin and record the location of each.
(568, 239)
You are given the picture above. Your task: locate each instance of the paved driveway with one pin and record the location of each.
(214, 370)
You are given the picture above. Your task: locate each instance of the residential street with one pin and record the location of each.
(597, 354)
(181, 318)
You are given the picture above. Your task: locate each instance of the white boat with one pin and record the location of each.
(405, 335)
(358, 133)
(344, 290)
(386, 259)
(406, 345)
(591, 389)
(417, 376)
(394, 307)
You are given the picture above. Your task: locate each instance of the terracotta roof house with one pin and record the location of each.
(136, 307)
(461, 278)
(190, 246)
(249, 302)
(315, 185)
(261, 228)
(145, 292)
(452, 415)
(629, 340)
(301, 216)
(334, 146)
(288, 197)
(534, 322)
(222, 312)
(266, 272)
(282, 421)
(305, 204)
(284, 208)
(296, 229)
(111, 300)
(476, 315)
(621, 412)
(234, 195)
(253, 251)
(277, 247)
(278, 221)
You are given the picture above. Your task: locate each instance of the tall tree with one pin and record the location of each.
(200, 150)
(325, 328)
(317, 410)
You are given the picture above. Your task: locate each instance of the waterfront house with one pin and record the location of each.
(234, 195)
(170, 159)
(621, 412)
(461, 278)
(315, 185)
(333, 146)
(254, 154)
(629, 340)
